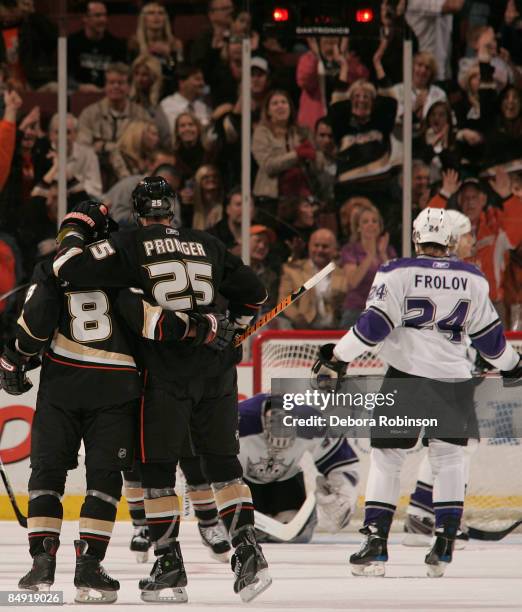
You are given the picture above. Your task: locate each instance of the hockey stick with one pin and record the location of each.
(286, 531)
(284, 303)
(19, 516)
(492, 536)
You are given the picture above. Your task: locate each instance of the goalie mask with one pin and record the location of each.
(278, 435)
(432, 226)
(153, 197)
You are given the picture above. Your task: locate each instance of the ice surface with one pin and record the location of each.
(309, 577)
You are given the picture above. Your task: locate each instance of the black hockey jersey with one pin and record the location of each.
(87, 348)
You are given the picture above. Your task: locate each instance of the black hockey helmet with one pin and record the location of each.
(153, 197)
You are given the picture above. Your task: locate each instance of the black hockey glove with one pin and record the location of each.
(512, 378)
(212, 330)
(90, 217)
(328, 372)
(13, 368)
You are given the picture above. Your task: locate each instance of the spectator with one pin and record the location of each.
(327, 161)
(298, 223)
(12, 102)
(432, 23)
(513, 289)
(154, 37)
(146, 83)
(362, 127)
(511, 31)
(326, 67)
(504, 141)
(28, 45)
(225, 79)
(282, 150)
(424, 92)
(208, 198)
(188, 98)
(351, 207)
(261, 237)
(228, 230)
(206, 49)
(92, 49)
(82, 162)
(102, 123)
(119, 197)
(189, 146)
(320, 307)
(135, 148)
(361, 257)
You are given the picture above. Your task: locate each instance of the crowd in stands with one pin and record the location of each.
(327, 117)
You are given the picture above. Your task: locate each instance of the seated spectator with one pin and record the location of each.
(368, 249)
(320, 307)
(504, 138)
(12, 102)
(28, 45)
(327, 161)
(325, 68)
(146, 83)
(420, 186)
(191, 148)
(362, 127)
(119, 197)
(228, 230)
(206, 49)
(282, 150)
(92, 49)
(102, 123)
(298, 223)
(207, 203)
(187, 98)
(261, 237)
(348, 209)
(424, 92)
(134, 149)
(154, 37)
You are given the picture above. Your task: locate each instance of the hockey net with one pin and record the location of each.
(494, 493)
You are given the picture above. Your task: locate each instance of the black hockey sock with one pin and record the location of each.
(44, 518)
(234, 502)
(162, 510)
(422, 497)
(204, 504)
(379, 514)
(97, 518)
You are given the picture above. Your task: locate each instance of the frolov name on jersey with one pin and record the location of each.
(436, 281)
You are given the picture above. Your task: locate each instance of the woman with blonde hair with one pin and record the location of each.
(208, 198)
(146, 82)
(347, 210)
(154, 37)
(361, 257)
(134, 149)
(282, 150)
(189, 144)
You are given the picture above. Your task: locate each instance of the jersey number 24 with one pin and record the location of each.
(421, 313)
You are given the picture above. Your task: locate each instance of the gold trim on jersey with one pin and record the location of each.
(25, 327)
(81, 352)
(58, 263)
(151, 316)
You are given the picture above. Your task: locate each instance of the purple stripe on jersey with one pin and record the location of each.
(343, 455)
(434, 263)
(372, 326)
(490, 343)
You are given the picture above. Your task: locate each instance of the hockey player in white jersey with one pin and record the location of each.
(270, 455)
(421, 309)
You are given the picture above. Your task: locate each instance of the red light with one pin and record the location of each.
(364, 15)
(280, 14)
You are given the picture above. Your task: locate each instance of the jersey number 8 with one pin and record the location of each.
(90, 321)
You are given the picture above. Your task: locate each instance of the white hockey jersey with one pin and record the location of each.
(262, 464)
(422, 309)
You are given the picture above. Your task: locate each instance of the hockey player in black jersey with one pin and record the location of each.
(89, 390)
(181, 270)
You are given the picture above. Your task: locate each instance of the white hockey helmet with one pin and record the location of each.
(432, 225)
(460, 225)
(278, 436)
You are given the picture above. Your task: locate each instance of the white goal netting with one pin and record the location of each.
(494, 494)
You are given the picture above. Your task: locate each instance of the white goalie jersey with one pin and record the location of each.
(422, 310)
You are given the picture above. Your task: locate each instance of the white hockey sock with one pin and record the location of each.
(447, 462)
(383, 486)
(421, 501)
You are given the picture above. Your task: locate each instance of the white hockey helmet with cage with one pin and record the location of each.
(278, 436)
(432, 225)
(460, 225)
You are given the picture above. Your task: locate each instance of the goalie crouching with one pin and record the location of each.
(271, 451)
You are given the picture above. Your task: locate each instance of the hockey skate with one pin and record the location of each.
(215, 537)
(140, 544)
(418, 530)
(90, 576)
(168, 572)
(41, 576)
(370, 560)
(249, 566)
(441, 553)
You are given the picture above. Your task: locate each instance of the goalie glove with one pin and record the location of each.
(513, 378)
(328, 372)
(336, 497)
(13, 368)
(212, 330)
